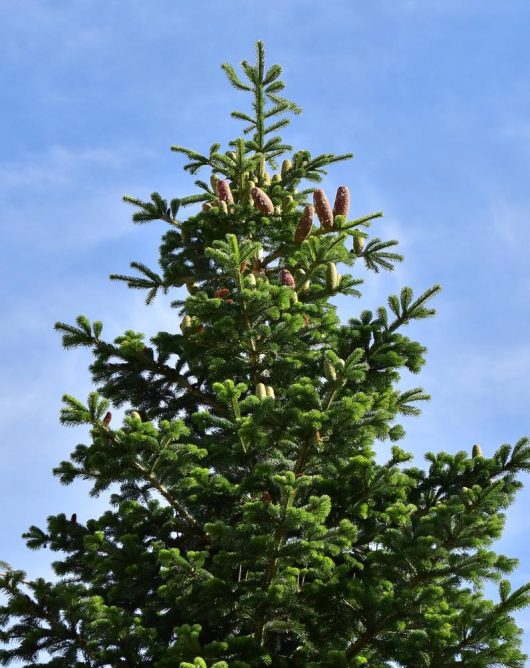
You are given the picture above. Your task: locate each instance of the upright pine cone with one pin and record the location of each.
(329, 370)
(266, 497)
(286, 167)
(358, 244)
(323, 209)
(262, 201)
(305, 225)
(221, 293)
(224, 193)
(186, 324)
(477, 451)
(342, 202)
(286, 278)
(107, 418)
(332, 277)
(261, 391)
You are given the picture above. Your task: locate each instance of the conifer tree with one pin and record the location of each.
(249, 522)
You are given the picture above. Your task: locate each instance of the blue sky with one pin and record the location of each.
(432, 96)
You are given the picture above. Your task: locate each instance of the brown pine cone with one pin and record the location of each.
(262, 201)
(323, 209)
(305, 225)
(224, 193)
(342, 202)
(221, 293)
(107, 418)
(286, 278)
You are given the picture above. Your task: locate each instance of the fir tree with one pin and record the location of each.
(249, 522)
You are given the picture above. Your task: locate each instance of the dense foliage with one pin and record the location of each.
(249, 521)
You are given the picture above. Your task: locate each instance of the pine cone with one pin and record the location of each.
(250, 281)
(247, 197)
(266, 497)
(270, 392)
(213, 182)
(288, 204)
(323, 209)
(221, 293)
(342, 202)
(476, 451)
(206, 206)
(224, 193)
(136, 416)
(305, 225)
(358, 244)
(186, 324)
(332, 277)
(107, 418)
(261, 391)
(73, 519)
(329, 370)
(223, 206)
(286, 167)
(286, 278)
(262, 201)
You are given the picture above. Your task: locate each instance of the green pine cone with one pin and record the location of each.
(286, 167)
(358, 244)
(186, 324)
(329, 370)
(332, 277)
